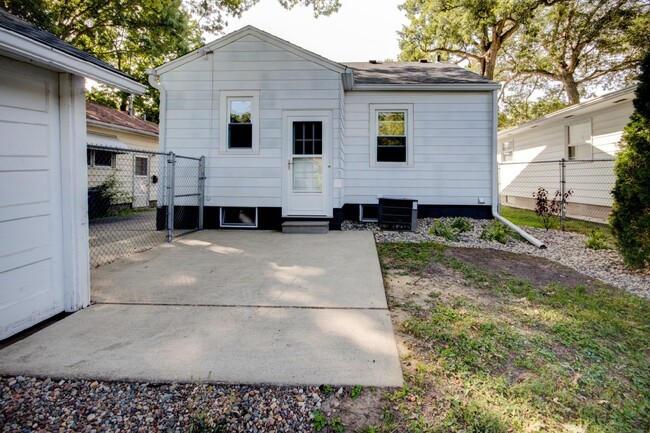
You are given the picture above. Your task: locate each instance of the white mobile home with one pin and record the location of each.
(44, 267)
(586, 136)
(288, 134)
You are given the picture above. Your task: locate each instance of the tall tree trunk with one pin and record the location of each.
(490, 59)
(571, 89)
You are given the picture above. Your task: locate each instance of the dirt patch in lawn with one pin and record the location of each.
(541, 272)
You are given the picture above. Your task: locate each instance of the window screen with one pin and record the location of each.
(240, 124)
(391, 136)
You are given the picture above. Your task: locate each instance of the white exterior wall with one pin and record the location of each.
(591, 183)
(192, 120)
(452, 149)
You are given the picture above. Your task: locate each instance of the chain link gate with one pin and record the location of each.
(128, 195)
(590, 183)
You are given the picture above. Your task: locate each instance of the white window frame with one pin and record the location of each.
(372, 136)
(585, 155)
(507, 155)
(224, 110)
(101, 167)
(240, 225)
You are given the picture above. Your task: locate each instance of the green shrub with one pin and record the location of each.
(450, 228)
(496, 231)
(630, 217)
(597, 241)
(320, 421)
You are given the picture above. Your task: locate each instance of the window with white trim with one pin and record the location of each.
(579, 142)
(239, 127)
(100, 158)
(507, 149)
(391, 135)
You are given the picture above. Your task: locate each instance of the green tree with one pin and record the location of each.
(134, 35)
(582, 43)
(473, 30)
(630, 217)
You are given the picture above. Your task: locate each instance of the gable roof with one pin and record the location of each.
(250, 31)
(358, 75)
(39, 46)
(598, 103)
(106, 116)
(411, 73)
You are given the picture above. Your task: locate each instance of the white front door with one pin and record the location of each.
(141, 182)
(307, 168)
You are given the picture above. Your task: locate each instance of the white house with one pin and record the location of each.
(117, 129)
(289, 134)
(43, 210)
(587, 136)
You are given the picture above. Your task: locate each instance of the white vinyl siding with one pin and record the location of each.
(452, 148)
(194, 119)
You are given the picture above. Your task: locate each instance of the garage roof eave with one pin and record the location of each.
(38, 53)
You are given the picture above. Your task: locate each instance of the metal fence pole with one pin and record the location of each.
(201, 190)
(562, 191)
(171, 172)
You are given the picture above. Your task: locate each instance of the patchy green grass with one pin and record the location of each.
(525, 217)
(517, 358)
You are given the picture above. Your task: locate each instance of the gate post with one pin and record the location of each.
(562, 191)
(171, 174)
(201, 190)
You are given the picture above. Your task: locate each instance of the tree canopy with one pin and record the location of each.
(561, 49)
(135, 35)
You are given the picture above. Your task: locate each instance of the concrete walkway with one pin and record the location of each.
(228, 306)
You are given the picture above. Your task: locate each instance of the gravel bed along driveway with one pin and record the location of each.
(37, 405)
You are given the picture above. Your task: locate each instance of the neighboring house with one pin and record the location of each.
(44, 266)
(114, 128)
(586, 135)
(288, 134)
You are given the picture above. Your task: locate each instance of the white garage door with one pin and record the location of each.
(31, 280)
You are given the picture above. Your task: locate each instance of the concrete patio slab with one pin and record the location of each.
(228, 306)
(261, 268)
(220, 344)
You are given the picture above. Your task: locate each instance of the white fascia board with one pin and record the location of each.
(262, 35)
(574, 110)
(467, 87)
(40, 54)
(120, 128)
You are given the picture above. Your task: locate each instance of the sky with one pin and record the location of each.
(361, 30)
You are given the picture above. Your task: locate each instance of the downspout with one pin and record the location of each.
(495, 182)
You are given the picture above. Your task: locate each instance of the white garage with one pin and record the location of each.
(43, 207)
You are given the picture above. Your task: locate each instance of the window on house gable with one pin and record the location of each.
(240, 127)
(507, 150)
(391, 135)
(579, 142)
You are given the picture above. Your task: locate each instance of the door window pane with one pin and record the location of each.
(141, 166)
(308, 174)
(307, 138)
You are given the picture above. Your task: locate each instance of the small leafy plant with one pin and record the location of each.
(549, 210)
(320, 421)
(450, 228)
(355, 392)
(597, 241)
(497, 232)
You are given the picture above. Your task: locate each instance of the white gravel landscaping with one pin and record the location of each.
(567, 248)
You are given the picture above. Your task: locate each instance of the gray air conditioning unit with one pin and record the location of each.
(398, 214)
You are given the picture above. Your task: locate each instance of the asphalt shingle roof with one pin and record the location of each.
(413, 73)
(28, 30)
(112, 116)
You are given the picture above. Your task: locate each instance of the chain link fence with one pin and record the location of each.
(590, 183)
(129, 192)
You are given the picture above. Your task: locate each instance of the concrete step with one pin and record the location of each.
(307, 227)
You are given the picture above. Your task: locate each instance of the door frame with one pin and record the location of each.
(288, 117)
(137, 178)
